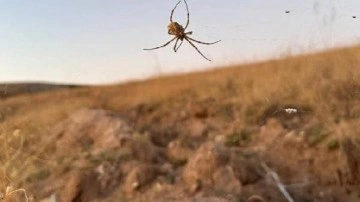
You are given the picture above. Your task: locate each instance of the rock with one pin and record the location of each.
(72, 189)
(255, 198)
(97, 129)
(225, 181)
(108, 176)
(91, 185)
(140, 176)
(178, 153)
(196, 129)
(245, 169)
(203, 164)
(81, 187)
(51, 198)
(270, 132)
(351, 150)
(206, 199)
(162, 135)
(143, 150)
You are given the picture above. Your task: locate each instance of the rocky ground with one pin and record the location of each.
(276, 131)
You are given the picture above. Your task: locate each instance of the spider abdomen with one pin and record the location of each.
(176, 29)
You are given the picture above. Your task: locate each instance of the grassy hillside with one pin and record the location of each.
(12, 89)
(243, 107)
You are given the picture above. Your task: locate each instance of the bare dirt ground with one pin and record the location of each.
(282, 130)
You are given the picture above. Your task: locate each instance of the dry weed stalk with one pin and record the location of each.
(16, 133)
(276, 180)
(9, 159)
(10, 192)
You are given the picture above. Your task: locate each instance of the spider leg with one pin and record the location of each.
(176, 49)
(176, 44)
(203, 42)
(167, 43)
(186, 38)
(188, 15)
(172, 11)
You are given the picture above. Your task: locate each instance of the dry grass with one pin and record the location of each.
(328, 83)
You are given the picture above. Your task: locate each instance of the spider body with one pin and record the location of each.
(178, 31)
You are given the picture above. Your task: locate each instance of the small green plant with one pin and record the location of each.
(238, 138)
(315, 135)
(38, 175)
(250, 115)
(333, 144)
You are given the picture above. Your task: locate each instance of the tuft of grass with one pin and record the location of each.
(227, 112)
(346, 96)
(111, 156)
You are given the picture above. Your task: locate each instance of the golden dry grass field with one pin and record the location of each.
(217, 135)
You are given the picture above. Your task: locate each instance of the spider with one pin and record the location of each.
(178, 31)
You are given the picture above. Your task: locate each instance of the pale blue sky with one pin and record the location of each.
(101, 41)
